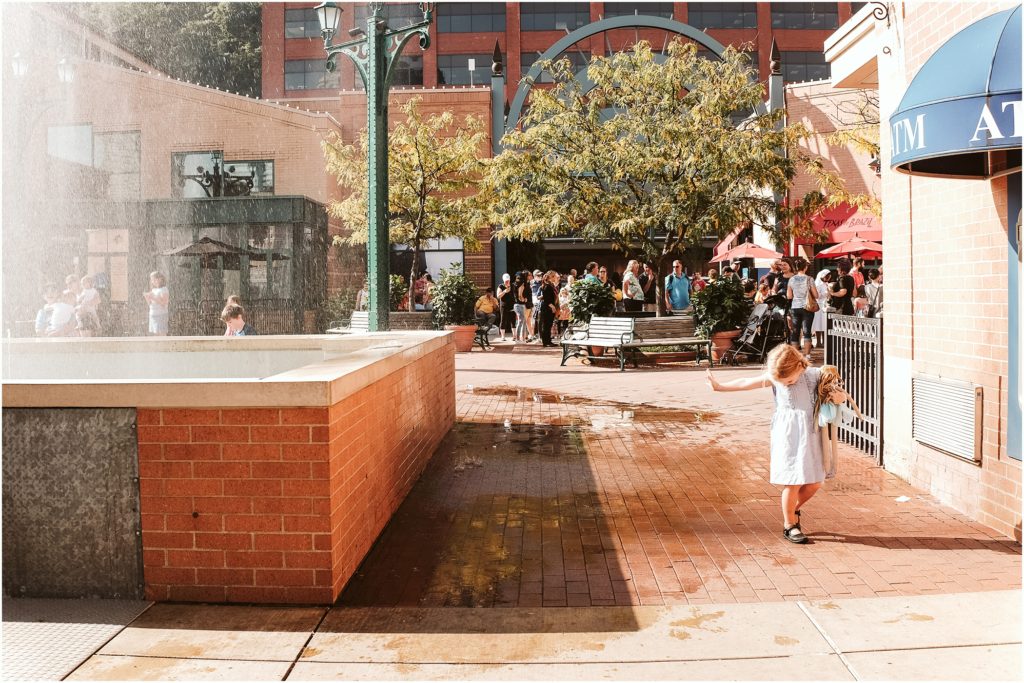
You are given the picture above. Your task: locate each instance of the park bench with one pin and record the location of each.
(673, 330)
(358, 323)
(611, 333)
(630, 335)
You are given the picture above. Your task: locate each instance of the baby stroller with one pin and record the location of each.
(765, 329)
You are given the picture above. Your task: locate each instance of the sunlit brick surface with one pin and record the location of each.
(581, 504)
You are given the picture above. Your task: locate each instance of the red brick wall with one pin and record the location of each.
(280, 505)
(946, 294)
(381, 439)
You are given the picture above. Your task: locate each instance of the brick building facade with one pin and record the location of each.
(951, 278)
(293, 48)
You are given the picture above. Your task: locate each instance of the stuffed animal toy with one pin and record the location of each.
(830, 410)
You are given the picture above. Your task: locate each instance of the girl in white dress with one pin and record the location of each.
(796, 462)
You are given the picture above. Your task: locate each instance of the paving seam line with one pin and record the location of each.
(828, 639)
(102, 645)
(931, 647)
(559, 663)
(302, 649)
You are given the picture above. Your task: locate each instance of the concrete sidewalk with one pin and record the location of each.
(975, 636)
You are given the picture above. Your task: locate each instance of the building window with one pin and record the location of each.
(398, 14)
(408, 71)
(436, 254)
(804, 66)
(70, 143)
(456, 69)
(814, 15)
(554, 16)
(301, 23)
(579, 61)
(856, 7)
(261, 171)
(309, 74)
(189, 169)
(722, 15)
(647, 9)
(471, 17)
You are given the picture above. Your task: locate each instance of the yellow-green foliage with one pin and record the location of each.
(677, 158)
(435, 171)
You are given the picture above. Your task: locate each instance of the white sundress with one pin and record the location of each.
(795, 441)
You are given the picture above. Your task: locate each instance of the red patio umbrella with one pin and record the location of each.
(856, 245)
(746, 250)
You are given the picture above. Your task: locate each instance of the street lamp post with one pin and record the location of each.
(375, 53)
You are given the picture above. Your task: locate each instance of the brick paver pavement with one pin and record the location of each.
(545, 498)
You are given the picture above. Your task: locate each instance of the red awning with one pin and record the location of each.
(842, 222)
(725, 244)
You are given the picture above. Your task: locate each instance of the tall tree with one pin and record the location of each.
(216, 44)
(435, 170)
(655, 157)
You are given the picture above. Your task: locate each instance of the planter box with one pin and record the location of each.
(417, 320)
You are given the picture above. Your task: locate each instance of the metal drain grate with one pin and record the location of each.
(947, 416)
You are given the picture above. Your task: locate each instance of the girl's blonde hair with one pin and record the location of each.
(783, 361)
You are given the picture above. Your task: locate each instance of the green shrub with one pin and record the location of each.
(588, 298)
(719, 307)
(453, 298)
(396, 291)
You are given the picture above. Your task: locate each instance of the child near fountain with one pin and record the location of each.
(88, 309)
(158, 297)
(796, 458)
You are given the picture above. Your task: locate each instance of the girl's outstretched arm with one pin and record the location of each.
(759, 382)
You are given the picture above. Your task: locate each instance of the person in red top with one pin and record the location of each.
(857, 272)
(698, 282)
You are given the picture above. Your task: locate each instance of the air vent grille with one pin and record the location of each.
(947, 416)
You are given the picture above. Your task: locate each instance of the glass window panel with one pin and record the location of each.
(809, 15)
(551, 16)
(70, 143)
(263, 180)
(436, 260)
(471, 17)
(651, 9)
(804, 66)
(309, 74)
(454, 69)
(301, 23)
(705, 15)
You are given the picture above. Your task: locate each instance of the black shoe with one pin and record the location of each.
(793, 534)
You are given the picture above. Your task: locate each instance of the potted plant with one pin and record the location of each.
(397, 289)
(453, 298)
(588, 298)
(719, 311)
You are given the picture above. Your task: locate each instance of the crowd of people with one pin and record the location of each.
(73, 311)
(533, 306)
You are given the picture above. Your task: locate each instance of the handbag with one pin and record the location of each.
(812, 299)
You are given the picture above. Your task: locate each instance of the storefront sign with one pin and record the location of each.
(977, 123)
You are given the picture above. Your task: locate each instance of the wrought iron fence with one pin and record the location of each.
(854, 345)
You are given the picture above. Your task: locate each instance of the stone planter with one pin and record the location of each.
(722, 342)
(464, 335)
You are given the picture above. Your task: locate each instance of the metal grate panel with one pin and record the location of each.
(947, 416)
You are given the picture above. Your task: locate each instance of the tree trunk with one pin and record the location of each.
(412, 279)
(664, 269)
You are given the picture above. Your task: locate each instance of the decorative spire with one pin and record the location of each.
(496, 66)
(775, 58)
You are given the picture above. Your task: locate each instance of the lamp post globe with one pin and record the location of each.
(65, 71)
(329, 15)
(19, 65)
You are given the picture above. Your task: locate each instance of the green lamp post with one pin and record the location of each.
(375, 52)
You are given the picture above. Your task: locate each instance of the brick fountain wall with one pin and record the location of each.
(279, 505)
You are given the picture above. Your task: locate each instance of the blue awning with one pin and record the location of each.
(962, 116)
